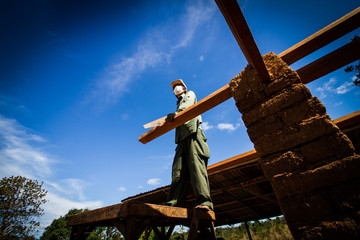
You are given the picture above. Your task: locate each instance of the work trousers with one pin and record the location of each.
(190, 166)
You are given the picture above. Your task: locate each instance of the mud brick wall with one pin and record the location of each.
(310, 163)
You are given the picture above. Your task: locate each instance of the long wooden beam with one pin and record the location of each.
(330, 62)
(348, 120)
(126, 209)
(240, 29)
(198, 108)
(335, 30)
(236, 161)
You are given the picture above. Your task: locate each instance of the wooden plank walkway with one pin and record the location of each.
(132, 218)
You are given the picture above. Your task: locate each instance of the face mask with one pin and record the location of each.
(178, 89)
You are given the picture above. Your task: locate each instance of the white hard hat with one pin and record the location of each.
(177, 82)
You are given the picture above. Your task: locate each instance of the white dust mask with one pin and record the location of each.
(178, 89)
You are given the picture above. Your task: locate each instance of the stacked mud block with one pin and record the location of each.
(310, 163)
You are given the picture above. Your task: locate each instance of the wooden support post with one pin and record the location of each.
(240, 29)
(147, 233)
(81, 232)
(247, 230)
(159, 234)
(163, 234)
(130, 227)
(202, 225)
(169, 232)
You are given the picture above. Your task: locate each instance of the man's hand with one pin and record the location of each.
(170, 117)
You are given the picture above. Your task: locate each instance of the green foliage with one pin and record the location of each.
(264, 230)
(152, 235)
(355, 68)
(58, 230)
(20, 205)
(105, 233)
(178, 236)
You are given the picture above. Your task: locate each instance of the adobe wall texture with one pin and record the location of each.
(310, 163)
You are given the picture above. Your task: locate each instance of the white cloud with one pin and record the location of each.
(206, 126)
(154, 50)
(122, 189)
(20, 153)
(338, 104)
(23, 153)
(153, 181)
(330, 88)
(344, 88)
(196, 14)
(228, 126)
(58, 206)
(71, 187)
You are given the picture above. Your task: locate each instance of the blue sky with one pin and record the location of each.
(80, 78)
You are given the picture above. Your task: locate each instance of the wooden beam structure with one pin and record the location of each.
(236, 161)
(240, 29)
(132, 218)
(252, 200)
(325, 65)
(330, 62)
(330, 33)
(348, 120)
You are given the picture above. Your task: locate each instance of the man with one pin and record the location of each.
(191, 156)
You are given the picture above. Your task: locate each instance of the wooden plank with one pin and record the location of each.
(330, 62)
(233, 162)
(239, 185)
(348, 120)
(97, 215)
(335, 30)
(155, 123)
(198, 108)
(240, 29)
(154, 210)
(126, 209)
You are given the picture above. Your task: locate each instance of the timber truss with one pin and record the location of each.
(133, 218)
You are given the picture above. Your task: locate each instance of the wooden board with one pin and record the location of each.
(335, 30)
(330, 62)
(348, 120)
(155, 123)
(241, 159)
(240, 29)
(123, 211)
(198, 108)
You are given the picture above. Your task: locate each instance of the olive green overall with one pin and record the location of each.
(190, 161)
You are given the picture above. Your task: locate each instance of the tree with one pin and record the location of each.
(355, 68)
(20, 205)
(58, 230)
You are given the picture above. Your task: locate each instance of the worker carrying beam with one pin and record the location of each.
(191, 155)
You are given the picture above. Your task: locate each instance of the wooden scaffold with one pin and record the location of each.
(133, 217)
